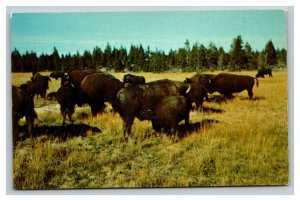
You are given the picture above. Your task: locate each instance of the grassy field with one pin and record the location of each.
(234, 143)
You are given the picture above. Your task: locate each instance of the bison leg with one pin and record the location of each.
(15, 130)
(199, 104)
(127, 128)
(63, 113)
(29, 122)
(70, 117)
(228, 95)
(250, 94)
(97, 108)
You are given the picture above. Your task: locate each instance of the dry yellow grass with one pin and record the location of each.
(246, 144)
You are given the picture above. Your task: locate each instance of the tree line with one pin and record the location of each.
(194, 57)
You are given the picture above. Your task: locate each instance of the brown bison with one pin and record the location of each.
(76, 77)
(141, 100)
(197, 94)
(202, 80)
(133, 79)
(67, 96)
(37, 86)
(22, 105)
(101, 87)
(263, 72)
(227, 84)
(169, 112)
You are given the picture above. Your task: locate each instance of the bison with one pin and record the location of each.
(67, 96)
(169, 112)
(76, 77)
(133, 79)
(22, 105)
(57, 74)
(101, 87)
(197, 94)
(263, 72)
(227, 84)
(38, 85)
(141, 100)
(202, 80)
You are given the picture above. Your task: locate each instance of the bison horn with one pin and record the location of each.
(189, 89)
(209, 81)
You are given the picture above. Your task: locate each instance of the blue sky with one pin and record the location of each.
(79, 31)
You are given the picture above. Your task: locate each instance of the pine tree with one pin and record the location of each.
(237, 54)
(55, 60)
(271, 58)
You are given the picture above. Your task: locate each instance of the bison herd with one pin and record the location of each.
(164, 102)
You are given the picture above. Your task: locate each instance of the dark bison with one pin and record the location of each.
(227, 84)
(76, 77)
(141, 100)
(202, 80)
(169, 112)
(22, 105)
(67, 96)
(197, 94)
(263, 72)
(38, 85)
(102, 87)
(133, 79)
(57, 74)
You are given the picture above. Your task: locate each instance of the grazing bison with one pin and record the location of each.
(102, 87)
(202, 80)
(169, 112)
(37, 86)
(133, 79)
(141, 100)
(263, 72)
(22, 105)
(67, 96)
(227, 84)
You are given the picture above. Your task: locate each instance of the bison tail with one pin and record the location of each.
(256, 82)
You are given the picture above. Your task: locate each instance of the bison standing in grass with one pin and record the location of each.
(67, 96)
(101, 87)
(76, 77)
(227, 84)
(203, 80)
(141, 101)
(263, 72)
(169, 112)
(22, 105)
(38, 85)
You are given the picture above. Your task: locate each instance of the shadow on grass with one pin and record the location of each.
(219, 99)
(70, 130)
(212, 110)
(255, 98)
(184, 132)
